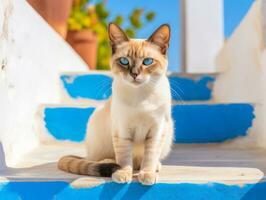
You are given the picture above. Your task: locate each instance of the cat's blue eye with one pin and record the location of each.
(123, 61)
(147, 61)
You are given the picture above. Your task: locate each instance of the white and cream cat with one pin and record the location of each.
(134, 129)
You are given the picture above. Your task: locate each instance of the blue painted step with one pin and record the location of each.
(98, 86)
(183, 191)
(196, 123)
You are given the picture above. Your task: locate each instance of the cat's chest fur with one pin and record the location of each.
(136, 115)
(137, 121)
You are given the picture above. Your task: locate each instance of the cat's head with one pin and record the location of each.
(139, 61)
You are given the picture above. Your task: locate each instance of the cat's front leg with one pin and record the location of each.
(123, 154)
(148, 173)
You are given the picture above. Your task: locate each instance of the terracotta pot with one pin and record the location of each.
(55, 12)
(85, 44)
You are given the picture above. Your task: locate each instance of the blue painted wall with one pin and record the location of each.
(211, 123)
(191, 89)
(67, 123)
(98, 87)
(193, 123)
(94, 86)
(133, 191)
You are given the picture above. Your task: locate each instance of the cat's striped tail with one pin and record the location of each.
(79, 165)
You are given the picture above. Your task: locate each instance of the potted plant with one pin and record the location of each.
(87, 30)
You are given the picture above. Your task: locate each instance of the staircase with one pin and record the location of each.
(204, 162)
(217, 131)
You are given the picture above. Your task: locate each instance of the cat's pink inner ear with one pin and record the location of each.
(116, 34)
(161, 37)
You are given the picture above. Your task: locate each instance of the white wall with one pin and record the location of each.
(204, 34)
(242, 63)
(32, 55)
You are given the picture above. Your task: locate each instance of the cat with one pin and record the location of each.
(133, 130)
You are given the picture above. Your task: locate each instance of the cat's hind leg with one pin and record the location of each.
(99, 145)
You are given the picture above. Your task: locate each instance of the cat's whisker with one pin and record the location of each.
(102, 88)
(176, 84)
(108, 90)
(175, 94)
(99, 85)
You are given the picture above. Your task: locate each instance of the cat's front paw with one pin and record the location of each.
(122, 176)
(147, 178)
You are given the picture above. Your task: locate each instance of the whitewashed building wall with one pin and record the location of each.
(32, 56)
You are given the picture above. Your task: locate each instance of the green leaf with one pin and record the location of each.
(130, 32)
(101, 11)
(119, 20)
(135, 18)
(150, 16)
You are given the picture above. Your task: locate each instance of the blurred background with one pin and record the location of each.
(83, 23)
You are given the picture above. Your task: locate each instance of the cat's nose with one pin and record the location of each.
(134, 75)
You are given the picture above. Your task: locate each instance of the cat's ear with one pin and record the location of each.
(116, 35)
(161, 37)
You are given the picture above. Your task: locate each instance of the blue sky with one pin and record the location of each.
(234, 11)
(167, 11)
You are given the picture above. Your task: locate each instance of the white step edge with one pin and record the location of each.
(199, 164)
